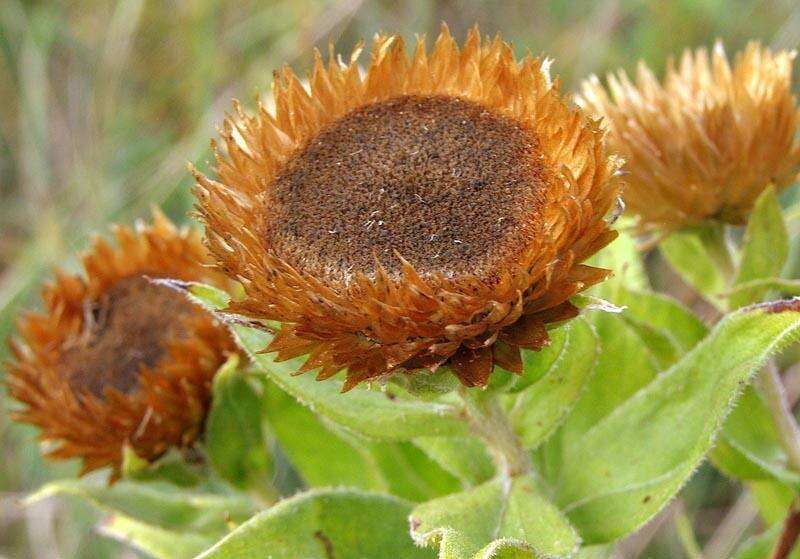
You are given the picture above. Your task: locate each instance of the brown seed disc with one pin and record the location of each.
(447, 183)
(125, 330)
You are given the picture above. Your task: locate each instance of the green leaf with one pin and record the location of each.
(765, 247)
(499, 516)
(321, 456)
(154, 541)
(327, 455)
(235, 439)
(171, 468)
(541, 407)
(749, 445)
(209, 296)
(773, 498)
(625, 260)
(156, 503)
(383, 413)
(761, 546)
(787, 287)
(666, 315)
(596, 552)
(627, 467)
(464, 457)
(321, 524)
(536, 364)
(699, 256)
(411, 474)
(625, 364)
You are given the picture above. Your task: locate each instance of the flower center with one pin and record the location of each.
(126, 329)
(447, 183)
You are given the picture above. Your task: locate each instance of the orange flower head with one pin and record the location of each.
(426, 211)
(117, 358)
(703, 144)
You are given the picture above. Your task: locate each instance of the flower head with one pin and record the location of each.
(431, 210)
(707, 141)
(117, 359)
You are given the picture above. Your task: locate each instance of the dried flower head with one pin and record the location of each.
(704, 144)
(426, 211)
(117, 359)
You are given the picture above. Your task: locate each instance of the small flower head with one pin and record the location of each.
(117, 359)
(703, 144)
(428, 211)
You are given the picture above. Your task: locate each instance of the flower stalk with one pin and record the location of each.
(488, 421)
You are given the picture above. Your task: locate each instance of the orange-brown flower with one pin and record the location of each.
(116, 359)
(426, 211)
(704, 144)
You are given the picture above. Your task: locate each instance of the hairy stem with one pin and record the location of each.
(488, 421)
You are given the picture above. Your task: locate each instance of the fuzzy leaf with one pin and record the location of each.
(541, 407)
(765, 248)
(761, 546)
(154, 541)
(501, 518)
(464, 457)
(321, 524)
(665, 315)
(388, 414)
(623, 257)
(773, 499)
(786, 287)
(411, 474)
(627, 467)
(171, 468)
(209, 296)
(234, 436)
(156, 503)
(537, 364)
(624, 365)
(321, 457)
(695, 255)
(749, 445)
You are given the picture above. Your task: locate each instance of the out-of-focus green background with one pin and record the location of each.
(102, 104)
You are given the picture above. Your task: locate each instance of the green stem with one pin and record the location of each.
(489, 422)
(775, 396)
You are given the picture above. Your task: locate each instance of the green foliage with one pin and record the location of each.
(327, 455)
(749, 445)
(701, 257)
(384, 414)
(156, 503)
(235, 440)
(627, 466)
(320, 455)
(537, 364)
(464, 457)
(761, 547)
(154, 541)
(501, 518)
(765, 248)
(321, 524)
(539, 409)
(209, 296)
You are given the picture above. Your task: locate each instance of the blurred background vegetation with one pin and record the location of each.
(102, 104)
